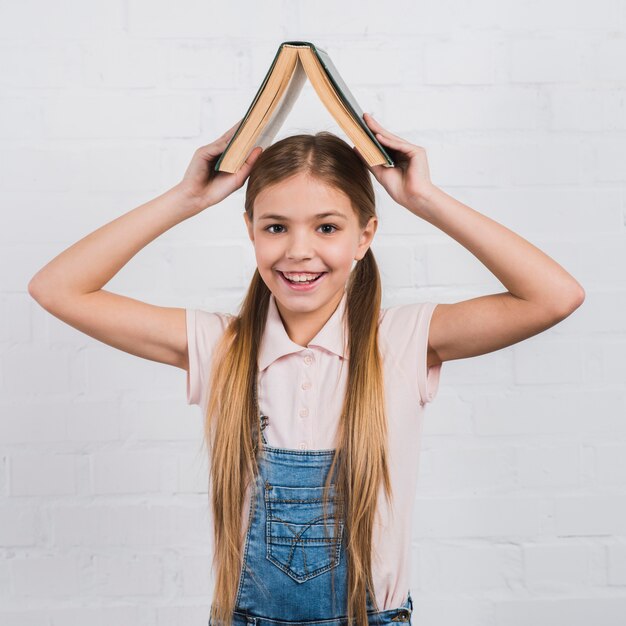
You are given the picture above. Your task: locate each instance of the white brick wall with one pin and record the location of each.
(521, 105)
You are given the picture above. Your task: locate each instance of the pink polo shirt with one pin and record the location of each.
(301, 390)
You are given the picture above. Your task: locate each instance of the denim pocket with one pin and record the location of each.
(297, 541)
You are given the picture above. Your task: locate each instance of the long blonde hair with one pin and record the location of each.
(232, 431)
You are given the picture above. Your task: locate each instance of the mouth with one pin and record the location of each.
(302, 286)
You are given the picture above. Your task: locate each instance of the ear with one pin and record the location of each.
(366, 237)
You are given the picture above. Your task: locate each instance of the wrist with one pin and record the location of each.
(424, 202)
(189, 203)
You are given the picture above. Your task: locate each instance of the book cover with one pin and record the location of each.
(291, 94)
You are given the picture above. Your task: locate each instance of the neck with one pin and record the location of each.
(302, 327)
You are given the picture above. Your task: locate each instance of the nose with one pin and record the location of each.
(299, 247)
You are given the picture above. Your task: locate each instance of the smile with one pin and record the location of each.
(302, 286)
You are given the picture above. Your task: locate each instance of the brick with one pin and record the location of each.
(43, 474)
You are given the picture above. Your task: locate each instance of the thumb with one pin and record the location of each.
(246, 168)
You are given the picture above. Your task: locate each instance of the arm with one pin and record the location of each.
(70, 286)
(540, 292)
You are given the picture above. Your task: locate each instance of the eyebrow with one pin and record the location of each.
(274, 216)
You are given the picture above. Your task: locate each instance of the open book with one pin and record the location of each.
(294, 62)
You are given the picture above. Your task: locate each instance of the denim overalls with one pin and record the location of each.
(289, 554)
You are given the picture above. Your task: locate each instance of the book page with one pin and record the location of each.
(284, 107)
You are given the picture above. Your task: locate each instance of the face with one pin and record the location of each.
(289, 236)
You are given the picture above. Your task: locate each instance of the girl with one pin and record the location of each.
(313, 395)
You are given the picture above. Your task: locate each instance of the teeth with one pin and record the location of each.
(300, 277)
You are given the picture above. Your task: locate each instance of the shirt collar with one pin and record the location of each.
(276, 342)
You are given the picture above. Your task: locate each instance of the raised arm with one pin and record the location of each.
(70, 285)
(540, 293)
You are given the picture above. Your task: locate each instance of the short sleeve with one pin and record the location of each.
(204, 330)
(427, 377)
(406, 329)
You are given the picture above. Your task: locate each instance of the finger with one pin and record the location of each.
(377, 128)
(247, 166)
(253, 157)
(395, 144)
(232, 129)
(219, 145)
(230, 133)
(214, 149)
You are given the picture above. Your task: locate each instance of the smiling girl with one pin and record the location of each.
(313, 395)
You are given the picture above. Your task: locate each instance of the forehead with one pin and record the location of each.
(302, 195)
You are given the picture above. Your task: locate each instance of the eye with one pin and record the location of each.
(272, 226)
(281, 226)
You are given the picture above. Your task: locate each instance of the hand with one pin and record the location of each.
(408, 183)
(208, 187)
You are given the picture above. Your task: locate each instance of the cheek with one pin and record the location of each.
(266, 256)
(340, 253)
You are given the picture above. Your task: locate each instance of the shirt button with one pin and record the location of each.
(306, 385)
(303, 446)
(308, 360)
(304, 412)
